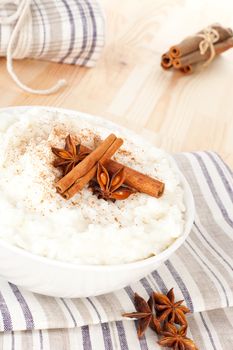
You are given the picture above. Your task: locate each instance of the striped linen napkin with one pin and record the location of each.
(201, 272)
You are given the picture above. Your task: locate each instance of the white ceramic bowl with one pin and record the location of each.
(55, 278)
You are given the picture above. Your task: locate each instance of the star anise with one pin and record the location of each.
(110, 187)
(169, 310)
(68, 157)
(144, 314)
(175, 338)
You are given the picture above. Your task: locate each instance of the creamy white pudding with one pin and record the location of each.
(85, 229)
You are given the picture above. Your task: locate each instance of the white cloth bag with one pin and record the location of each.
(65, 31)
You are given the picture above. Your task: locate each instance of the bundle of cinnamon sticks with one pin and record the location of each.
(76, 179)
(199, 49)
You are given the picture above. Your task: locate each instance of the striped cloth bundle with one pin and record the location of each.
(201, 272)
(64, 31)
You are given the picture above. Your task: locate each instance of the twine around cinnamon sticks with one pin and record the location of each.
(199, 49)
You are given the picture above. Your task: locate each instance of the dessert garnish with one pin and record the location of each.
(70, 156)
(108, 186)
(85, 166)
(168, 309)
(157, 313)
(133, 178)
(76, 179)
(145, 315)
(77, 176)
(175, 338)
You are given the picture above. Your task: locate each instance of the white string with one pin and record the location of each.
(210, 36)
(22, 16)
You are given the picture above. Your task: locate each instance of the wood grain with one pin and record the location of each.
(178, 113)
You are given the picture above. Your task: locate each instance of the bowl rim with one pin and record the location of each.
(124, 266)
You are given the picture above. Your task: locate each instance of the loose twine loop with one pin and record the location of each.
(210, 36)
(22, 33)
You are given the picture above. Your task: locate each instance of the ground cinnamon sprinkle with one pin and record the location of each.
(124, 152)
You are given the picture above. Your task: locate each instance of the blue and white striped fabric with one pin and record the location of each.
(201, 272)
(65, 31)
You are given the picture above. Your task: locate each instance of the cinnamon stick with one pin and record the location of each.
(140, 182)
(133, 178)
(191, 43)
(85, 165)
(166, 61)
(81, 182)
(187, 69)
(196, 57)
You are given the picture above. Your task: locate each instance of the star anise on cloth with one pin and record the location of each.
(169, 310)
(175, 338)
(166, 317)
(110, 187)
(68, 157)
(144, 314)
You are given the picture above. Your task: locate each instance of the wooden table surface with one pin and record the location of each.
(178, 113)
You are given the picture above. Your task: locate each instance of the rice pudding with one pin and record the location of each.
(84, 229)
